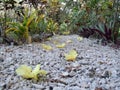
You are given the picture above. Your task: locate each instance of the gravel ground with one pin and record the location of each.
(96, 67)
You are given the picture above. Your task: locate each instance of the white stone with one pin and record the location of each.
(58, 88)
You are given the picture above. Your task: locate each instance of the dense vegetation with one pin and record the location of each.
(25, 21)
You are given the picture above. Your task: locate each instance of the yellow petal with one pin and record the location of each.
(79, 38)
(71, 56)
(55, 42)
(46, 47)
(49, 39)
(35, 72)
(24, 71)
(61, 45)
(42, 72)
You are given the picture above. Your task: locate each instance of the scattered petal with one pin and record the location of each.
(27, 72)
(55, 42)
(36, 71)
(49, 39)
(46, 47)
(71, 56)
(43, 72)
(79, 38)
(24, 71)
(61, 45)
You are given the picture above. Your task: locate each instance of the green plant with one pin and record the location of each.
(103, 31)
(43, 24)
(38, 25)
(51, 26)
(63, 28)
(21, 29)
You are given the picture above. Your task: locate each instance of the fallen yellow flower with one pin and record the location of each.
(61, 45)
(49, 39)
(27, 72)
(79, 38)
(24, 71)
(36, 71)
(71, 56)
(46, 47)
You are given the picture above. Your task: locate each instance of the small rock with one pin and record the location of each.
(75, 64)
(1, 59)
(64, 74)
(102, 81)
(1, 40)
(84, 85)
(8, 59)
(2, 86)
(36, 38)
(91, 73)
(98, 88)
(59, 88)
(113, 73)
(37, 86)
(106, 74)
(75, 88)
(51, 88)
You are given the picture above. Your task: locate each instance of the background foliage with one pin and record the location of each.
(100, 18)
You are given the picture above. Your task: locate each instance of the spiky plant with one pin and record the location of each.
(21, 29)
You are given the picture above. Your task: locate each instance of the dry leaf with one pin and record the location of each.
(61, 45)
(79, 38)
(46, 47)
(71, 56)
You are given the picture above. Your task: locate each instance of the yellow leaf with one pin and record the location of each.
(35, 72)
(61, 45)
(71, 56)
(24, 71)
(46, 47)
(79, 38)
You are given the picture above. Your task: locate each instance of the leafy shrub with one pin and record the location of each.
(43, 25)
(64, 16)
(103, 31)
(20, 29)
